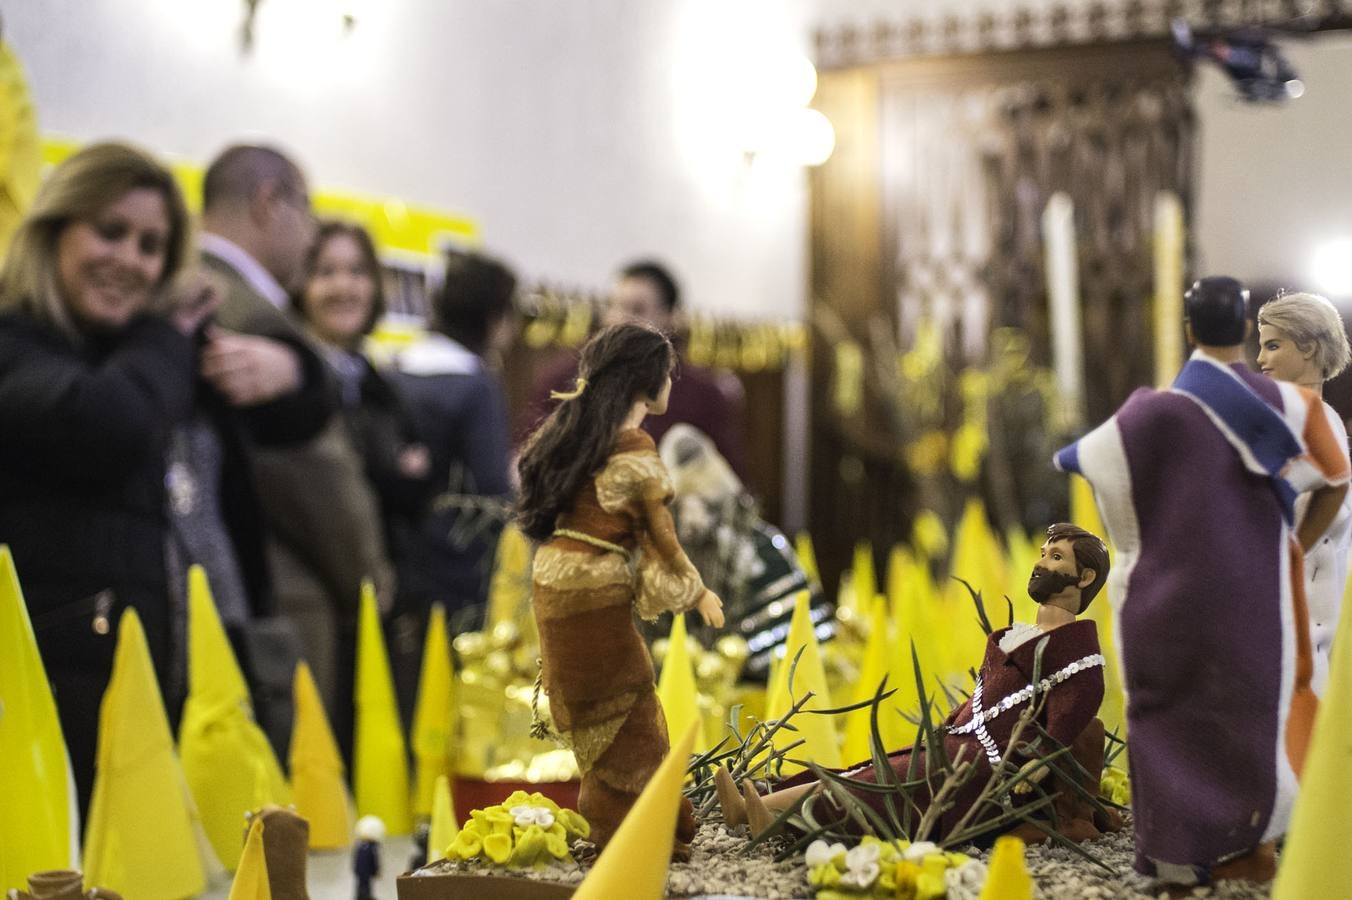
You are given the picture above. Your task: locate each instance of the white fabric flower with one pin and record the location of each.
(861, 866)
(917, 852)
(965, 883)
(527, 816)
(819, 853)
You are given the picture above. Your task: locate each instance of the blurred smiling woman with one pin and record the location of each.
(1301, 339)
(96, 365)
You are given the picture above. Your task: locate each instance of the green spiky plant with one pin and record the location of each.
(1010, 796)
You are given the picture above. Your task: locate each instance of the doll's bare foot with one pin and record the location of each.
(734, 808)
(758, 815)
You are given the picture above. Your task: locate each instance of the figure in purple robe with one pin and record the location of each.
(1196, 485)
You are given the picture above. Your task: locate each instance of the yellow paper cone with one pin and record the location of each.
(676, 686)
(434, 716)
(1315, 861)
(863, 578)
(1022, 553)
(634, 863)
(318, 786)
(916, 607)
(227, 760)
(1112, 710)
(1007, 878)
(979, 560)
(509, 589)
(251, 879)
(380, 761)
(807, 557)
(821, 744)
(140, 840)
(444, 824)
(858, 724)
(36, 818)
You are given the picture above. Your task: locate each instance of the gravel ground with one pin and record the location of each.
(717, 869)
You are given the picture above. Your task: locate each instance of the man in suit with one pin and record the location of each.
(321, 514)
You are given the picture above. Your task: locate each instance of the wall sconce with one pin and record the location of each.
(779, 123)
(1331, 268)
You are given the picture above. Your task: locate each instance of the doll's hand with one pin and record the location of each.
(1039, 773)
(710, 609)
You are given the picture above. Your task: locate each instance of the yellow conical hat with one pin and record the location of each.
(318, 786)
(859, 724)
(222, 748)
(821, 744)
(36, 818)
(807, 557)
(1007, 878)
(979, 560)
(1315, 862)
(509, 588)
(444, 825)
(1112, 710)
(676, 687)
(140, 839)
(863, 578)
(251, 879)
(379, 760)
(635, 862)
(434, 716)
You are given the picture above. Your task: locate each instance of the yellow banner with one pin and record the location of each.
(399, 228)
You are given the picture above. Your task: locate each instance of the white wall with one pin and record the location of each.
(581, 133)
(576, 133)
(1276, 181)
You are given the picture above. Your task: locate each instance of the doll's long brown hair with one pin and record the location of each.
(620, 364)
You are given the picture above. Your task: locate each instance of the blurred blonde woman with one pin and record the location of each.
(1301, 340)
(97, 363)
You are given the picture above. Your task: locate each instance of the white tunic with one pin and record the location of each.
(1326, 570)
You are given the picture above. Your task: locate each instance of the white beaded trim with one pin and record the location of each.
(982, 735)
(981, 716)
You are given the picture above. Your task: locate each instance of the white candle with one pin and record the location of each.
(1168, 287)
(1063, 304)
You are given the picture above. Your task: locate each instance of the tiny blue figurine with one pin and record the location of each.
(366, 859)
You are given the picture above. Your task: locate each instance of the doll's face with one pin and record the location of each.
(1281, 358)
(1056, 571)
(658, 406)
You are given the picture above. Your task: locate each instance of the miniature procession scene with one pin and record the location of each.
(1130, 704)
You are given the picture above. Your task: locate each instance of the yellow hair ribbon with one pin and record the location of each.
(570, 395)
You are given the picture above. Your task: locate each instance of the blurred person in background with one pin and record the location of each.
(452, 383)
(1301, 339)
(341, 301)
(324, 534)
(646, 292)
(97, 365)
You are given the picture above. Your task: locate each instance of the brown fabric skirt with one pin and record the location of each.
(620, 773)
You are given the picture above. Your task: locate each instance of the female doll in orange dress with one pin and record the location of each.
(594, 497)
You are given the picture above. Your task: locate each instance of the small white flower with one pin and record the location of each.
(819, 853)
(864, 853)
(917, 852)
(527, 816)
(965, 883)
(861, 866)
